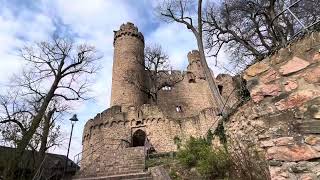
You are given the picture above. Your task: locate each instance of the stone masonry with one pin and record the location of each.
(183, 110)
(283, 116)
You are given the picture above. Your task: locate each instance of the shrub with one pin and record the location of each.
(210, 163)
(248, 162)
(216, 165)
(234, 160)
(194, 150)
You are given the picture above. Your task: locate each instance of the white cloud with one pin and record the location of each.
(15, 32)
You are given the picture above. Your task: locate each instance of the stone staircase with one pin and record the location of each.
(120, 164)
(132, 176)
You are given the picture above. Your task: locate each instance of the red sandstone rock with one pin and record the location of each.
(312, 140)
(277, 173)
(294, 65)
(313, 76)
(295, 100)
(306, 177)
(257, 98)
(316, 57)
(292, 153)
(283, 141)
(255, 69)
(290, 85)
(268, 143)
(262, 90)
(270, 75)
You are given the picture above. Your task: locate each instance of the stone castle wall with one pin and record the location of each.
(113, 129)
(283, 116)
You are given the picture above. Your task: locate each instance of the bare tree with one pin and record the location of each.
(157, 73)
(15, 115)
(183, 12)
(57, 70)
(252, 29)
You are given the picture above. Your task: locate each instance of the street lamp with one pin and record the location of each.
(73, 120)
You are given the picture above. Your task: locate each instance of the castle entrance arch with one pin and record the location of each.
(138, 138)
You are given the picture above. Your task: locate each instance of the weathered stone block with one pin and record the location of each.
(290, 85)
(283, 141)
(269, 76)
(292, 153)
(268, 143)
(312, 76)
(296, 99)
(312, 140)
(255, 69)
(293, 65)
(259, 92)
(316, 57)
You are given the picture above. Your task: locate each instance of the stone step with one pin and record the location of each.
(132, 176)
(119, 171)
(139, 178)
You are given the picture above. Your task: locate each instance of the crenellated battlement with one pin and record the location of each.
(193, 56)
(128, 29)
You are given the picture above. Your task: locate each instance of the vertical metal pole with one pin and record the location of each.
(66, 165)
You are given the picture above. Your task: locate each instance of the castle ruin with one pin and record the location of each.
(113, 137)
(281, 119)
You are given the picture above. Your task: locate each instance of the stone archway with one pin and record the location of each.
(138, 138)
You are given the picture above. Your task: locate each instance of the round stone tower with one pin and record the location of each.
(195, 65)
(128, 61)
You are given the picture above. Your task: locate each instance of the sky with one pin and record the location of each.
(92, 21)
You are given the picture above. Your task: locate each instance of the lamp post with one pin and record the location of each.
(73, 120)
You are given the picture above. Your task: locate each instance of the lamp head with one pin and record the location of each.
(74, 118)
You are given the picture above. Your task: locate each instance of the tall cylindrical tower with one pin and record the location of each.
(128, 72)
(194, 64)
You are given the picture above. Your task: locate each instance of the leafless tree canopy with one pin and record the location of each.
(252, 29)
(56, 74)
(157, 71)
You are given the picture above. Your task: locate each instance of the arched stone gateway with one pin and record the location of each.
(138, 138)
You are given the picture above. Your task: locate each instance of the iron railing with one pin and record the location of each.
(305, 27)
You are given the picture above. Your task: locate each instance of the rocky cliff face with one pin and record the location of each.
(283, 116)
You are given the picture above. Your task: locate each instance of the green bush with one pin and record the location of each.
(216, 165)
(198, 153)
(194, 150)
(240, 161)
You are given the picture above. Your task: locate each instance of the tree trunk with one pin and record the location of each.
(44, 138)
(23, 143)
(209, 76)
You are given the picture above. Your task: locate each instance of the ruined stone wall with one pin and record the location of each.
(228, 89)
(192, 97)
(283, 116)
(193, 94)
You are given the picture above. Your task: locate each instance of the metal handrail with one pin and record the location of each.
(304, 27)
